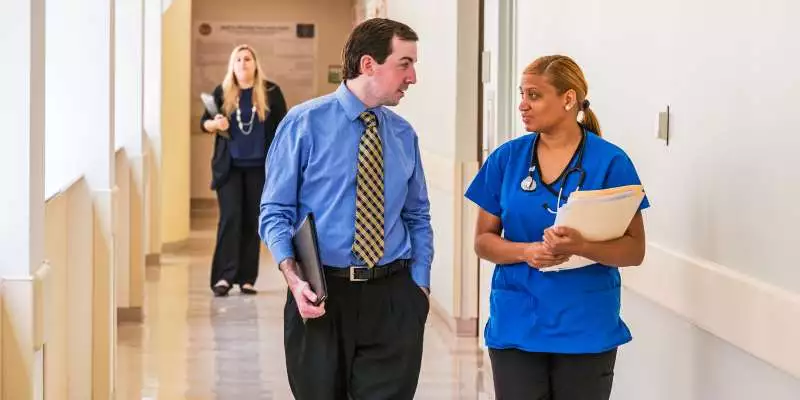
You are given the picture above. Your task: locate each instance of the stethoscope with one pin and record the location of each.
(529, 183)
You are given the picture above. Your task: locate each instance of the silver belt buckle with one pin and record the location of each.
(353, 277)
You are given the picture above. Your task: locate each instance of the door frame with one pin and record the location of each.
(499, 126)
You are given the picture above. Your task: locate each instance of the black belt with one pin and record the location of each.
(362, 274)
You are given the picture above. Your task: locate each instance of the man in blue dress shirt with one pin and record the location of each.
(356, 166)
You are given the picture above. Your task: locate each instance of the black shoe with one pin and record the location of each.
(249, 289)
(221, 290)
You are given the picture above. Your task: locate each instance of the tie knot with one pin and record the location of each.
(369, 119)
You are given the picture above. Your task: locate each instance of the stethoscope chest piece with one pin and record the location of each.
(528, 184)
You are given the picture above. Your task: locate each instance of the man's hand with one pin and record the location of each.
(304, 297)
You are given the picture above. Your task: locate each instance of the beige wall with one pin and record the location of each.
(176, 67)
(332, 20)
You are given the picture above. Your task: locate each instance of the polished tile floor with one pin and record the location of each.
(194, 346)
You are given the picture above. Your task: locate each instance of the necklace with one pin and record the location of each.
(249, 124)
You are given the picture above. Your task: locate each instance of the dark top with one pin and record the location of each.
(246, 147)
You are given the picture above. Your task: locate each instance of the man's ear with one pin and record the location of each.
(367, 65)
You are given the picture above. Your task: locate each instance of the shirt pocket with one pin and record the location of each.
(513, 316)
(593, 312)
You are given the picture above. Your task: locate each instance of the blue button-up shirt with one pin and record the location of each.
(312, 166)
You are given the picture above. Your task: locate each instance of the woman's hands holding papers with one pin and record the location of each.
(490, 246)
(561, 240)
(538, 256)
(625, 251)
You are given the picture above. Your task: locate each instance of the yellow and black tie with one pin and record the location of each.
(368, 242)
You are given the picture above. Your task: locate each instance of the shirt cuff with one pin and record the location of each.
(281, 250)
(421, 275)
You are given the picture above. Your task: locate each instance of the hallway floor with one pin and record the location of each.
(194, 346)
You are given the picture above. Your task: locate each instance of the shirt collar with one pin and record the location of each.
(353, 107)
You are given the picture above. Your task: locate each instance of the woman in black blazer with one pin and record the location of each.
(252, 108)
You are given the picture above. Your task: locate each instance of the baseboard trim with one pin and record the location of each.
(760, 318)
(466, 327)
(200, 203)
(174, 247)
(130, 314)
(460, 327)
(152, 259)
(204, 208)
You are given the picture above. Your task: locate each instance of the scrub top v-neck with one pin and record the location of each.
(574, 311)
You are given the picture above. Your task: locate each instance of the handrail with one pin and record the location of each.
(74, 181)
(65, 188)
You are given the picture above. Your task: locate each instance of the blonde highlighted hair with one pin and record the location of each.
(564, 74)
(231, 88)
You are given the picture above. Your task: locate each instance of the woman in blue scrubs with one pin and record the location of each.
(552, 335)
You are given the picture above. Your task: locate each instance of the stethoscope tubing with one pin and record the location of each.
(528, 183)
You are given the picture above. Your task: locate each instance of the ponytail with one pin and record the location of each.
(590, 121)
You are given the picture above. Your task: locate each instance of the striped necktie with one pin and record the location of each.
(368, 241)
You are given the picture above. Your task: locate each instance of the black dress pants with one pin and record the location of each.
(238, 245)
(522, 375)
(367, 346)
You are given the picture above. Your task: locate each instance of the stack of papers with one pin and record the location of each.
(599, 215)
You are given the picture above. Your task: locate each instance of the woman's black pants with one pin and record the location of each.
(238, 245)
(520, 375)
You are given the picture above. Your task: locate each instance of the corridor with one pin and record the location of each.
(194, 346)
(107, 156)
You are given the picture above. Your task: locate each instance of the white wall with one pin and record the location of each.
(430, 107)
(723, 191)
(67, 78)
(430, 104)
(728, 72)
(22, 154)
(128, 102)
(443, 109)
(79, 137)
(152, 75)
(131, 172)
(152, 124)
(671, 359)
(80, 142)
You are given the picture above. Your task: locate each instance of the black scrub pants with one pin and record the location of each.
(520, 375)
(238, 245)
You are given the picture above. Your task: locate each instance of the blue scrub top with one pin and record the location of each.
(573, 311)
